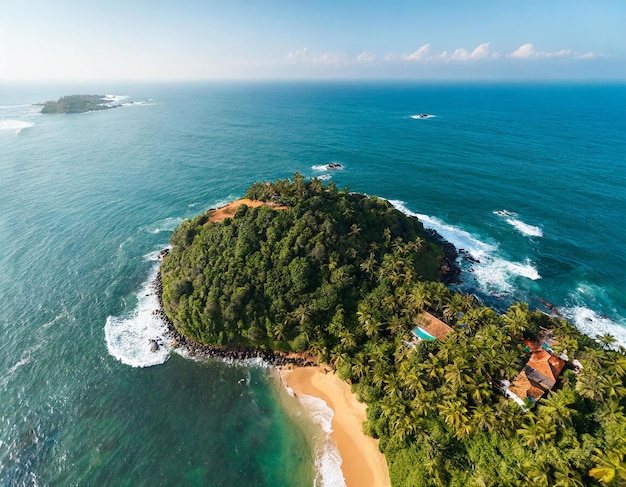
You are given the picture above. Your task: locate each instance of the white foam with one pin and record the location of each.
(115, 99)
(328, 461)
(128, 337)
(327, 167)
(592, 324)
(324, 177)
(166, 225)
(17, 125)
(496, 275)
(8, 107)
(422, 116)
(525, 228)
(519, 225)
(137, 103)
(457, 236)
(493, 273)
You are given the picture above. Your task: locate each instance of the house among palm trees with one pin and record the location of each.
(538, 376)
(430, 328)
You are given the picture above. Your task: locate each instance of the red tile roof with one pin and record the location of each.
(539, 374)
(433, 326)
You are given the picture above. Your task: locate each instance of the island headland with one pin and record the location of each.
(78, 104)
(456, 393)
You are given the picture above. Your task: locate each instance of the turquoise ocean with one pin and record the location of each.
(530, 180)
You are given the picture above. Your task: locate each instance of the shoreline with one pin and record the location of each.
(202, 351)
(363, 465)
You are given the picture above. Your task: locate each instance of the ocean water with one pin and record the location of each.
(530, 180)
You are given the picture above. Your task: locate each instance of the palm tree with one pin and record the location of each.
(397, 325)
(516, 318)
(606, 340)
(616, 362)
(453, 307)
(454, 414)
(369, 265)
(419, 298)
(483, 418)
(316, 186)
(537, 430)
(354, 230)
(612, 386)
(347, 339)
(359, 365)
(440, 294)
(557, 405)
(370, 325)
(301, 313)
(609, 467)
(280, 331)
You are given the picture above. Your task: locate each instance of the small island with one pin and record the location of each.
(78, 104)
(456, 393)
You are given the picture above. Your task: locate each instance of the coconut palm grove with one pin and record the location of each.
(347, 278)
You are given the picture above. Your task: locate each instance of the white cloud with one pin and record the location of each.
(586, 55)
(366, 57)
(461, 54)
(527, 51)
(481, 52)
(419, 55)
(304, 56)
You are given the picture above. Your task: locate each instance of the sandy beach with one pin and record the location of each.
(362, 464)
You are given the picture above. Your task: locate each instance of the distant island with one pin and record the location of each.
(78, 104)
(456, 393)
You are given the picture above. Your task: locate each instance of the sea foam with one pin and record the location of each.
(525, 228)
(331, 166)
(592, 324)
(422, 116)
(328, 460)
(519, 225)
(580, 310)
(165, 225)
(17, 125)
(493, 273)
(129, 337)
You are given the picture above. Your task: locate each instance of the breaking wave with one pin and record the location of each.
(328, 461)
(331, 166)
(519, 225)
(579, 310)
(592, 324)
(165, 225)
(17, 125)
(130, 338)
(493, 273)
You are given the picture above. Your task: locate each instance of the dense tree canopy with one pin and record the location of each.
(77, 104)
(346, 277)
(291, 278)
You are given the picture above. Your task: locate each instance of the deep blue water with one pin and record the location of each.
(87, 201)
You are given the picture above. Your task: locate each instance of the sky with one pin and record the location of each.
(44, 40)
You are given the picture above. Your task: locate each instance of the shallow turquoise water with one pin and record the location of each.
(87, 200)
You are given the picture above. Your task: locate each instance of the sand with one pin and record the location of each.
(230, 209)
(362, 463)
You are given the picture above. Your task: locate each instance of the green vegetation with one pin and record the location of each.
(77, 104)
(346, 276)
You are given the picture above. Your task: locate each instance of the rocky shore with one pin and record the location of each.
(202, 351)
(450, 271)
